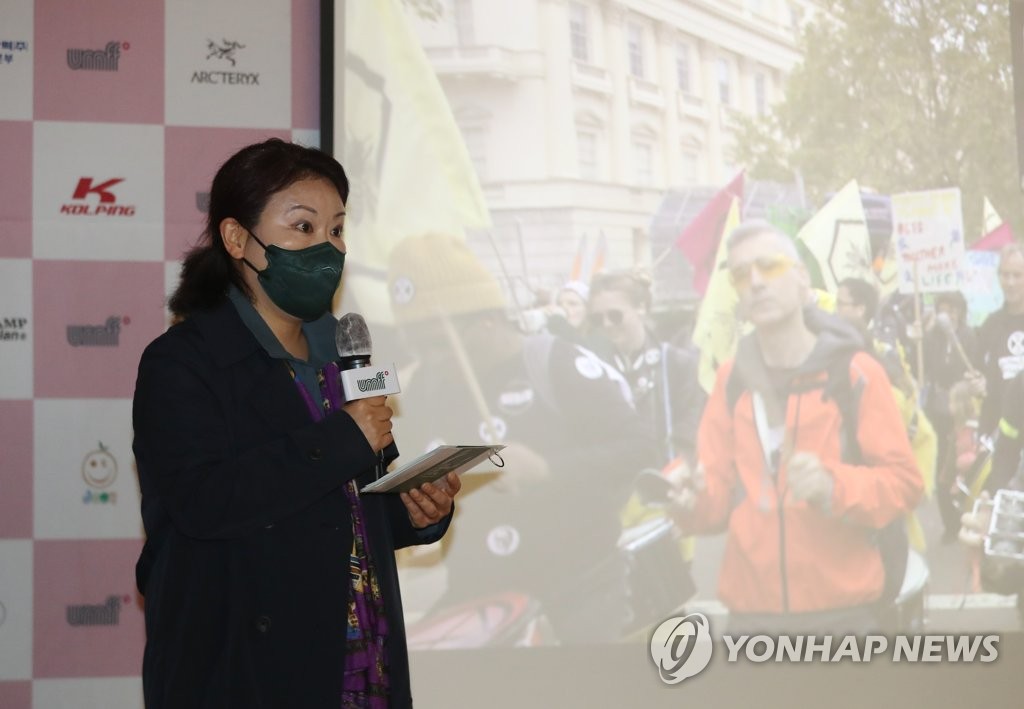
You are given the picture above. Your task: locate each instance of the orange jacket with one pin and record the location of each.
(830, 558)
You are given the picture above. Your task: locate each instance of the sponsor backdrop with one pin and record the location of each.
(114, 116)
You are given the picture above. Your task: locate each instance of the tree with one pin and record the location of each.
(901, 95)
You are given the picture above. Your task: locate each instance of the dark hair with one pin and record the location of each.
(635, 285)
(863, 293)
(241, 189)
(955, 299)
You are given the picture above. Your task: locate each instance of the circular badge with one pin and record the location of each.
(589, 367)
(652, 356)
(1015, 343)
(503, 540)
(495, 433)
(402, 290)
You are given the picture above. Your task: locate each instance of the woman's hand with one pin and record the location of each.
(373, 416)
(431, 502)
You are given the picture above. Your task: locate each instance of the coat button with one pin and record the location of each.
(263, 623)
(316, 454)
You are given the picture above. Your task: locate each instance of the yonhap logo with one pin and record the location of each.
(681, 647)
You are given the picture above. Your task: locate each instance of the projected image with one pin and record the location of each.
(742, 301)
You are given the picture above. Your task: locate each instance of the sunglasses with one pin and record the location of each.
(612, 317)
(770, 268)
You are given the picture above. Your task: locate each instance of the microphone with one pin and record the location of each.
(360, 379)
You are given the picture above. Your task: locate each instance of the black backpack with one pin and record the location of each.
(893, 543)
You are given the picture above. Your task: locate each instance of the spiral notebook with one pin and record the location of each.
(434, 465)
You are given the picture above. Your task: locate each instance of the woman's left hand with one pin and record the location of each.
(431, 502)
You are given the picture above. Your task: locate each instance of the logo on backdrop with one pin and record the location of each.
(99, 470)
(94, 197)
(105, 59)
(9, 48)
(13, 329)
(681, 647)
(106, 613)
(224, 52)
(105, 335)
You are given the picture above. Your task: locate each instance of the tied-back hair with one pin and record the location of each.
(241, 189)
(634, 284)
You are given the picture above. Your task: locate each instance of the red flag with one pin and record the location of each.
(699, 239)
(994, 240)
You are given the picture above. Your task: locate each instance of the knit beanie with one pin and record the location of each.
(436, 273)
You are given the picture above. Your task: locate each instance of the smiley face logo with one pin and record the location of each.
(99, 468)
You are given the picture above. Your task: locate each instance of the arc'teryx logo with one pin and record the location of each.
(105, 59)
(107, 201)
(681, 647)
(226, 51)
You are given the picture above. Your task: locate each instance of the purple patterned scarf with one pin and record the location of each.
(366, 668)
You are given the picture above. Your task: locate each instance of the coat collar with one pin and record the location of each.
(230, 340)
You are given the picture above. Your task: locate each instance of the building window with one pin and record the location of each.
(578, 32)
(635, 46)
(724, 82)
(689, 167)
(464, 23)
(683, 67)
(760, 94)
(586, 154)
(643, 163)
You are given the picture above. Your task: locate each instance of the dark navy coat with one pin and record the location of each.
(245, 567)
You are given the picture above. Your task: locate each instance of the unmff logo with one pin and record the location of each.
(107, 203)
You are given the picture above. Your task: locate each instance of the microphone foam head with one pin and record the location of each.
(352, 336)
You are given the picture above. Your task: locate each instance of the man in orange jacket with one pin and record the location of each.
(804, 521)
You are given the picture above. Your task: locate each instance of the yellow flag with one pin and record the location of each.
(990, 217)
(838, 238)
(409, 169)
(717, 330)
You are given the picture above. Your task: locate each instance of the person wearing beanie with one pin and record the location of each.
(574, 443)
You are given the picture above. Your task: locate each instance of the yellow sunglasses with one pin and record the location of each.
(770, 268)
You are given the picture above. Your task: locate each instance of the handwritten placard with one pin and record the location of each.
(929, 234)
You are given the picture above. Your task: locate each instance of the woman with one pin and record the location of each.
(663, 377)
(269, 581)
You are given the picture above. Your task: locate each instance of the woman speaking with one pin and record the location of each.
(269, 581)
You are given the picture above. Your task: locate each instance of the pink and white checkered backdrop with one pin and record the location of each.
(114, 115)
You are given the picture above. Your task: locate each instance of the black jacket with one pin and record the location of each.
(245, 567)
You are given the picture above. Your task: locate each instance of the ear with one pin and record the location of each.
(234, 236)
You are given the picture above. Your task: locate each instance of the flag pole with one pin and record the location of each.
(920, 330)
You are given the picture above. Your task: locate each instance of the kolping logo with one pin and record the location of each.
(106, 335)
(99, 470)
(681, 647)
(224, 51)
(106, 205)
(105, 59)
(13, 329)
